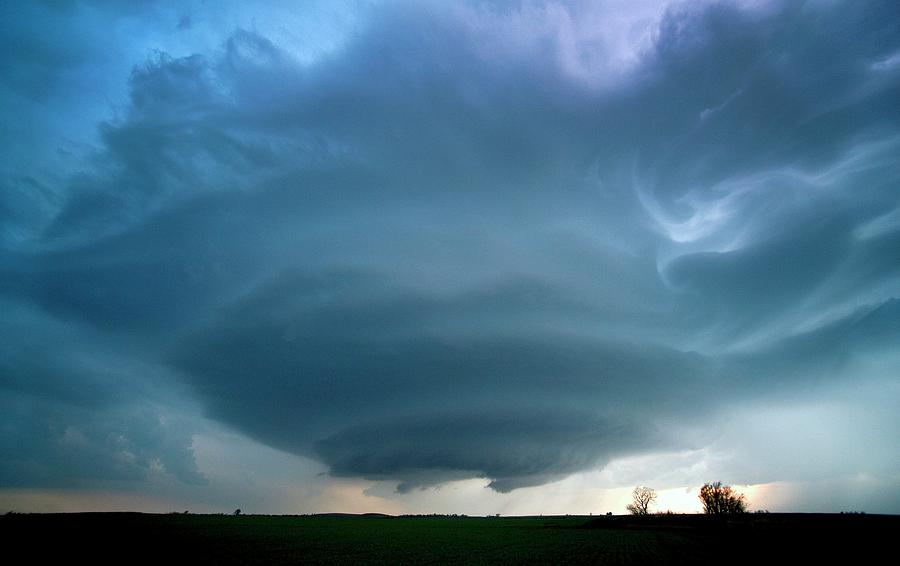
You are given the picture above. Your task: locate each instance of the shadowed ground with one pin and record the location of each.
(354, 539)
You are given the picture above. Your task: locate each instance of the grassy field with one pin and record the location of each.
(324, 539)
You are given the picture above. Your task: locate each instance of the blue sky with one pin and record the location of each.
(468, 257)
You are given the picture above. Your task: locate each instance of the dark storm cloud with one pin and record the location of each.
(74, 413)
(515, 449)
(53, 444)
(452, 379)
(446, 251)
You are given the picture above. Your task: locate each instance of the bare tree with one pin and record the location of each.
(719, 499)
(641, 498)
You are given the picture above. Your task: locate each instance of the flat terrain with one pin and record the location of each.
(355, 539)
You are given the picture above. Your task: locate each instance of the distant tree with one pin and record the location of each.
(237, 512)
(641, 498)
(720, 499)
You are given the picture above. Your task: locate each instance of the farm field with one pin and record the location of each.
(363, 539)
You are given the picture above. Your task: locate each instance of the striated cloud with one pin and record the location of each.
(510, 242)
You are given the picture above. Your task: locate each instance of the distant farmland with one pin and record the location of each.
(356, 539)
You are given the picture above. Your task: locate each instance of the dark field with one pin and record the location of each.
(220, 539)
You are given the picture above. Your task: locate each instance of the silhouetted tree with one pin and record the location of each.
(237, 512)
(719, 499)
(641, 497)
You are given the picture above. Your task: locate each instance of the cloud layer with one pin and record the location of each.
(464, 241)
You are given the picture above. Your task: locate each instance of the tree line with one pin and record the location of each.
(717, 499)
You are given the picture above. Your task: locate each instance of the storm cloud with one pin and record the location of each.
(507, 241)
